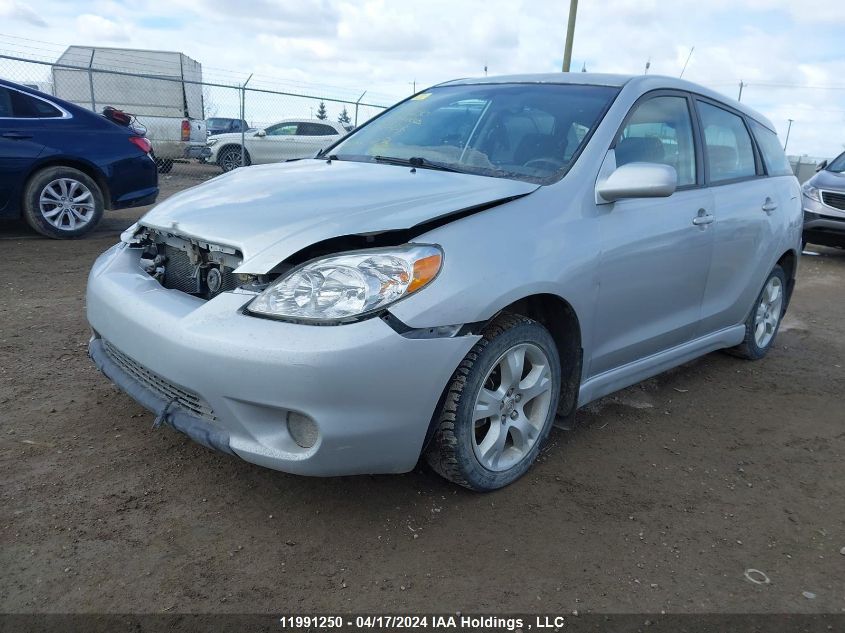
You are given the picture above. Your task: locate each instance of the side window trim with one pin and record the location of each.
(759, 170)
(697, 139)
(65, 113)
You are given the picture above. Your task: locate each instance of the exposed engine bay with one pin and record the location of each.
(192, 266)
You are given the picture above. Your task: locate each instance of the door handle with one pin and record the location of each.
(15, 135)
(703, 218)
(769, 205)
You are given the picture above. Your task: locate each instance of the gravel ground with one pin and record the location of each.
(660, 500)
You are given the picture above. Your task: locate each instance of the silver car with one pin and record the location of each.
(824, 204)
(453, 277)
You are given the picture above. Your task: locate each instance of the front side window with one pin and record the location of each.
(773, 156)
(530, 132)
(727, 144)
(660, 131)
(281, 129)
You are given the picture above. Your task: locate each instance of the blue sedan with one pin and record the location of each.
(61, 165)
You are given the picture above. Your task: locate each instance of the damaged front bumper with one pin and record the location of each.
(235, 382)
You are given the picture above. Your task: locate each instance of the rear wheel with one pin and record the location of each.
(499, 407)
(762, 324)
(230, 158)
(62, 202)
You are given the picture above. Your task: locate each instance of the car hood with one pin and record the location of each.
(270, 212)
(829, 180)
(230, 136)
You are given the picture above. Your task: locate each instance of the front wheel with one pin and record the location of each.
(762, 324)
(230, 158)
(499, 407)
(62, 202)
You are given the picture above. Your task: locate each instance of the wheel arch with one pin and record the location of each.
(789, 262)
(86, 168)
(559, 317)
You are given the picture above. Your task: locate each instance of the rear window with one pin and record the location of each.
(773, 157)
(730, 154)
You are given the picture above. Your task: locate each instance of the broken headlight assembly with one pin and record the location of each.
(349, 286)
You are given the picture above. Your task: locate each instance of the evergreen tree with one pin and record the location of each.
(321, 112)
(343, 117)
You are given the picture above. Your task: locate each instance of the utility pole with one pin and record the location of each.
(243, 118)
(741, 86)
(788, 130)
(414, 84)
(647, 66)
(570, 33)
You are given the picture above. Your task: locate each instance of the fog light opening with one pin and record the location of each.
(302, 429)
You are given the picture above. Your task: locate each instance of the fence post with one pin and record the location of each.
(91, 82)
(243, 118)
(356, 107)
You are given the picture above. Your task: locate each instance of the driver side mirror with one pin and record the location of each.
(261, 133)
(638, 180)
(821, 165)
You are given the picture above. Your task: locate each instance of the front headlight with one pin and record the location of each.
(348, 286)
(211, 141)
(811, 192)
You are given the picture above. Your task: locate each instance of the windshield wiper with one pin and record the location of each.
(416, 161)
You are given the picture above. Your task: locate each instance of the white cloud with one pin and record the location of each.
(15, 10)
(97, 28)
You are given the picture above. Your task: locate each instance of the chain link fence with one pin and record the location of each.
(197, 128)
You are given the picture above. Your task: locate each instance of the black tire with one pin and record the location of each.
(36, 188)
(229, 158)
(164, 165)
(451, 451)
(749, 349)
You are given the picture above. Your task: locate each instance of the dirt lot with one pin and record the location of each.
(660, 500)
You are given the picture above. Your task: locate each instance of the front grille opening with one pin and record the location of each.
(188, 265)
(187, 400)
(834, 199)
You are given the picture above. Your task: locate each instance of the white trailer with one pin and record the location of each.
(163, 89)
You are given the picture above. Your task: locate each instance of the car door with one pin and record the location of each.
(311, 137)
(655, 252)
(746, 208)
(21, 142)
(275, 145)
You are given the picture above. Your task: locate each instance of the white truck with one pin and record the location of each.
(162, 89)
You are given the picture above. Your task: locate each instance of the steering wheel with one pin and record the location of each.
(544, 162)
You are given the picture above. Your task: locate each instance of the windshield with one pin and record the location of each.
(837, 164)
(530, 132)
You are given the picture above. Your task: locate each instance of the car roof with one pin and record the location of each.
(639, 83)
(74, 109)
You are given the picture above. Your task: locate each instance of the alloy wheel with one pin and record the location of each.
(768, 312)
(67, 204)
(511, 407)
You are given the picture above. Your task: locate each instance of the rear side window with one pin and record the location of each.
(727, 144)
(660, 131)
(315, 129)
(776, 162)
(27, 107)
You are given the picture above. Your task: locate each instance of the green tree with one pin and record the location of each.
(343, 117)
(321, 112)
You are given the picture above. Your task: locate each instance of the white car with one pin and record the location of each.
(287, 139)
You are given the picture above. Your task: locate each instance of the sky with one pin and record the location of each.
(790, 54)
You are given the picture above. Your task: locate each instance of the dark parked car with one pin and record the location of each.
(219, 125)
(824, 204)
(61, 165)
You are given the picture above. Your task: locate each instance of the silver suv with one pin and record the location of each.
(824, 204)
(447, 281)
